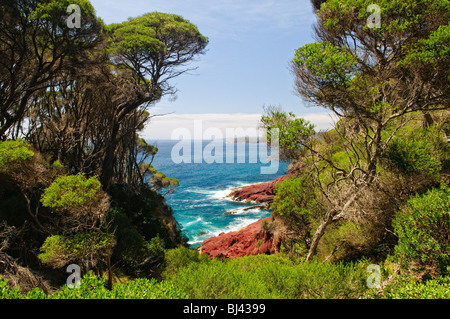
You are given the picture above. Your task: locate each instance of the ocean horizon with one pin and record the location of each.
(199, 203)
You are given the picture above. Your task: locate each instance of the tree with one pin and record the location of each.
(80, 97)
(316, 4)
(150, 49)
(35, 46)
(90, 119)
(293, 132)
(371, 78)
(422, 227)
(83, 237)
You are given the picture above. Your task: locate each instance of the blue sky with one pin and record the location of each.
(246, 65)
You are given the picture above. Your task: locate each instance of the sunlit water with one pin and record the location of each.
(199, 203)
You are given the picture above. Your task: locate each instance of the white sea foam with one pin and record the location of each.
(222, 194)
(198, 220)
(236, 225)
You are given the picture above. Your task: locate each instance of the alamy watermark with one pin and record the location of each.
(74, 19)
(73, 281)
(220, 147)
(374, 20)
(374, 280)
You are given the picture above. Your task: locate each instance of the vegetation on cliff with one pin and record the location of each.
(376, 185)
(372, 193)
(76, 181)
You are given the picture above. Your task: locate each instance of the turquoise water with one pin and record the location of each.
(199, 202)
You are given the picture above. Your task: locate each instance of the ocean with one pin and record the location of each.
(199, 202)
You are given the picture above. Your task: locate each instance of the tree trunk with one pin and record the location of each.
(108, 264)
(331, 217)
(427, 119)
(318, 234)
(108, 161)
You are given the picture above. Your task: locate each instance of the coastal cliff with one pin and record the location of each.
(261, 237)
(254, 239)
(260, 193)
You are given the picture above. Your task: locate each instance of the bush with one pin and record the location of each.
(130, 249)
(270, 277)
(179, 258)
(13, 151)
(71, 191)
(438, 288)
(8, 293)
(92, 287)
(412, 157)
(423, 230)
(59, 250)
(295, 203)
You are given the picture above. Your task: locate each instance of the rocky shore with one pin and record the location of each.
(260, 193)
(261, 237)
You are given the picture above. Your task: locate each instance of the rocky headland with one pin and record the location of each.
(261, 237)
(260, 193)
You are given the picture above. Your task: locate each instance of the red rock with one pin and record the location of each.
(250, 240)
(263, 192)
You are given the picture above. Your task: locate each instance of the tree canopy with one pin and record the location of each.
(376, 80)
(74, 97)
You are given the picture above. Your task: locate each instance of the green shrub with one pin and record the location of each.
(146, 289)
(412, 157)
(13, 151)
(438, 288)
(423, 230)
(59, 250)
(269, 277)
(294, 202)
(130, 248)
(71, 191)
(56, 165)
(92, 287)
(178, 258)
(6, 292)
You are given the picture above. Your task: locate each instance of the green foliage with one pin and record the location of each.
(263, 276)
(155, 37)
(131, 246)
(14, 151)
(141, 221)
(411, 12)
(59, 250)
(134, 38)
(155, 256)
(293, 131)
(350, 241)
(146, 211)
(57, 9)
(432, 50)
(404, 288)
(71, 191)
(423, 228)
(178, 258)
(412, 157)
(143, 146)
(295, 204)
(6, 292)
(93, 287)
(56, 165)
(160, 180)
(329, 63)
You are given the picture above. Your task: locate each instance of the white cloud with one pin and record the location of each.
(218, 18)
(162, 127)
